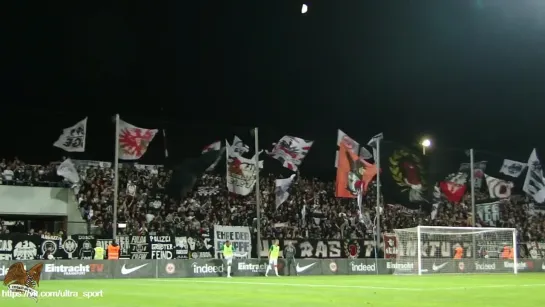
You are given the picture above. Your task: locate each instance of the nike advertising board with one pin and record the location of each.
(308, 267)
(187, 268)
(134, 269)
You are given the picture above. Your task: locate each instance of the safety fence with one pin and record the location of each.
(174, 268)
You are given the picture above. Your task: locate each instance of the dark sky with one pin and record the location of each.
(467, 73)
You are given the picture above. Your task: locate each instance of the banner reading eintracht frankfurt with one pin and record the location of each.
(72, 139)
(290, 151)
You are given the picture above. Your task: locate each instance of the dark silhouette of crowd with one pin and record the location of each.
(311, 211)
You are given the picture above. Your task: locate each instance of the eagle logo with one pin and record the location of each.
(22, 282)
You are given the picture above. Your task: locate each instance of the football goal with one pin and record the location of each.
(438, 250)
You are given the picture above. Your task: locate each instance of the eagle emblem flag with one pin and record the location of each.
(133, 141)
(22, 282)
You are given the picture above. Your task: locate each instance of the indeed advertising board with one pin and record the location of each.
(195, 268)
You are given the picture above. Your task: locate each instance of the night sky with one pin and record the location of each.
(466, 73)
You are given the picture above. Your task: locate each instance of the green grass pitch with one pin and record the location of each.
(317, 291)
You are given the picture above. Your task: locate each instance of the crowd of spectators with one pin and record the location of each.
(311, 211)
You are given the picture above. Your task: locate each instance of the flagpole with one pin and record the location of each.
(165, 142)
(116, 177)
(257, 194)
(472, 178)
(377, 162)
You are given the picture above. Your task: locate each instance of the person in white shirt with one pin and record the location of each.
(8, 174)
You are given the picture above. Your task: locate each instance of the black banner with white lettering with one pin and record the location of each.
(323, 248)
(30, 247)
(193, 247)
(162, 247)
(19, 247)
(366, 248)
(51, 247)
(140, 247)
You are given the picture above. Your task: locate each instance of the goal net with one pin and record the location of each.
(437, 250)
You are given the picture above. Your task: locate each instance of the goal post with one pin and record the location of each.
(439, 250)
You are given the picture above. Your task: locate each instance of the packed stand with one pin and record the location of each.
(311, 211)
(16, 172)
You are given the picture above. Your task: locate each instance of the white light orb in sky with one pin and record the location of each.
(304, 9)
(426, 143)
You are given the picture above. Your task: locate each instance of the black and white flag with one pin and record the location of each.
(534, 184)
(281, 190)
(72, 138)
(512, 168)
(68, 171)
(498, 188)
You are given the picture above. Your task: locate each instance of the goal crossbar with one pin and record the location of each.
(456, 249)
(461, 228)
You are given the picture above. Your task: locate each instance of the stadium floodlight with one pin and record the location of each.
(425, 144)
(439, 250)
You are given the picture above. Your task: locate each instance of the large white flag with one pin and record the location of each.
(68, 171)
(241, 172)
(534, 183)
(498, 188)
(133, 141)
(351, 145)
(281, 190)
(512, 168)
(237, 148)
(72, 139)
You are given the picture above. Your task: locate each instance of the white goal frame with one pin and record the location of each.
(420, 229)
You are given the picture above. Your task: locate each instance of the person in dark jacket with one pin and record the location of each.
(289, 255)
